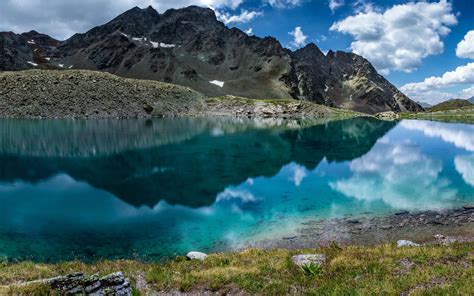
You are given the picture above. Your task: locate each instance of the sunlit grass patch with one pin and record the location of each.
(384, 269)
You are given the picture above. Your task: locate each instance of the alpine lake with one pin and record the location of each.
(154, 189)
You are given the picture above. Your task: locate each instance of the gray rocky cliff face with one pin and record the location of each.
(190, 47)
(345, 80)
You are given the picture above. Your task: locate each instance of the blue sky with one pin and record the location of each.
(418, 45)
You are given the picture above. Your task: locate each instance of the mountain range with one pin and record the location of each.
(190, 47)
(424, 104)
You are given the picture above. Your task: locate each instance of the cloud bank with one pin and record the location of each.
(427, 90)
(399, 38)
(62, 18)
(461, 75)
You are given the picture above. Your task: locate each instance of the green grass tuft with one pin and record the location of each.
(312, 269)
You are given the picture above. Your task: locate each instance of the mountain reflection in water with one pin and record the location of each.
(181, 161)
(154, 188)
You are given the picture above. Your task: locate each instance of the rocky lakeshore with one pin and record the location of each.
(369, 230)
(97, 95)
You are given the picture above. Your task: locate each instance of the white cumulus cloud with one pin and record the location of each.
(465, 48)
(299, 38)
(429, 89)
(335, 4)
(401, 36)
(467, 93)
(245, 16)
(284, 3)
(461, 75)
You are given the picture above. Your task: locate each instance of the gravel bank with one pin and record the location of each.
(89, 94)
(370, 230)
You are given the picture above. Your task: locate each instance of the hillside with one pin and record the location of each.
(450, 105)
(190, 47)
(92, 94)
(463, 114)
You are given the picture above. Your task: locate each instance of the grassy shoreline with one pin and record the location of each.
(431, 269)
(464, 115)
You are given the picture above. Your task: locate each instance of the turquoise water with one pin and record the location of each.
(150, 189)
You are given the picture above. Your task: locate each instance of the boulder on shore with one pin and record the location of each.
(306, 259)
(406, 243)
(78, 283)
(196, 256)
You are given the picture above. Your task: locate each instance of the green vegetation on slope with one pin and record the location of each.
(385, 269)
(451, 105)
(465, 114)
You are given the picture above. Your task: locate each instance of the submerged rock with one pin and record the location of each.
(196, 256)
(402, 213)
(406, 243)
(305, 259)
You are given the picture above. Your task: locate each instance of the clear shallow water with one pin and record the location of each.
(155, 188)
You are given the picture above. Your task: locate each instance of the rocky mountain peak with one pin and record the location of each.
(190, 47)
(310, 51)
(43, 39)
(139, 12)
(194, 14)
(135, 21)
